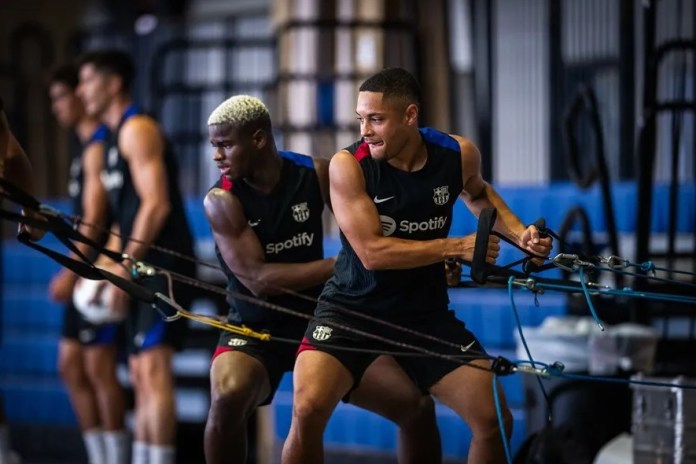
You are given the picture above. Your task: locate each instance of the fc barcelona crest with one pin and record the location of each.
(300, 212)
(441, 195)
(322, 333)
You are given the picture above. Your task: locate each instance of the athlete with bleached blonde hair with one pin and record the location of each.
(265, 212)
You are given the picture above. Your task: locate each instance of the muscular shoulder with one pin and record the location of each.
(467, 147)
(345, 171)
(224, 212)
(217, 198)
(138, 133)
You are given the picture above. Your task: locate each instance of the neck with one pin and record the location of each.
(267, 177)
(85, 128)
(412, 156)
(112, 115)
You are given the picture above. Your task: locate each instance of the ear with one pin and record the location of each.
(411, 114)
(114, 84)
(259, 138)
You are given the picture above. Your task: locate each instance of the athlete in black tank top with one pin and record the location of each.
(125, 201)
(142, 180)
(392, 196)
(288, 225)
(411, 206)
(86, 351)
(265, 217)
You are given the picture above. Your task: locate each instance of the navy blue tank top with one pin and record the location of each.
(77, 174)
(412, 205)
(288, 224)
(175, 234)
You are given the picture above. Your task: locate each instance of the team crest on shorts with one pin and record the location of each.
(300, 212)
(86, 335)
(237, 342)
(441, 195)
(322, 333)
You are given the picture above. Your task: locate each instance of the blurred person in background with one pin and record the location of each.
(87, 354)
(141, 178)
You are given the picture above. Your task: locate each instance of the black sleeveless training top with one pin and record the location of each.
(412, 205)
(288, 224)
(124, 201)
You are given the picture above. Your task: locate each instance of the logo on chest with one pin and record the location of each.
(112, 157)
(111, 180)
(300, 212)
(441, 195)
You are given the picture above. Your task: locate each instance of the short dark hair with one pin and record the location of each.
(65, 74)
(394, 83)
(111, 61)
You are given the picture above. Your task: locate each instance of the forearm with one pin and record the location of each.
(18, 168)
(147, 225)
(276, 278)
(394, 253)
(507, 223)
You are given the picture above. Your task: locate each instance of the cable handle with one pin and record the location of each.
(480, 269)
(529, 266)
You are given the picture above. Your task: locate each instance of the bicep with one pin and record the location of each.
(238, 244)
(355, 212)
(143, 147)
(473, 185)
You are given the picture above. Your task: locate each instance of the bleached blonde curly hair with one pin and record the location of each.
(239, 110)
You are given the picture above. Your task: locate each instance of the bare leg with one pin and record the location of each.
(386, 390)
(155, 393)
(239, 382)
(320, 381)
(72, 371)
(100, 361)
(469, 392)
(140, 425)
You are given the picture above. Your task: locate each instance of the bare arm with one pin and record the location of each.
(479, 194)
(94, 205)
(143, 147)
(14, 163)
(94, 199)
(242, 252)
(17, 166)
(359, 220)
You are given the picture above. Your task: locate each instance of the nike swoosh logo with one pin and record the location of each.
(254, 224)
(382, 200)
(466, 348)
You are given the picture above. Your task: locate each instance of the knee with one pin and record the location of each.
(417, 410)
(487, 425)
(309, 412)
(155, 377)
(99, 374)
(70, 371)
(229, 405)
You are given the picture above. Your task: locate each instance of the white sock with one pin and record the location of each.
(94, 444)
(161, 454)
(140, 453)
(116, 446)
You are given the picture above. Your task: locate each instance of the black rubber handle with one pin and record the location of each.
(529, 266)
(480, 269)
